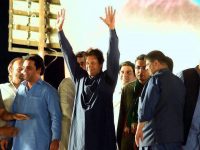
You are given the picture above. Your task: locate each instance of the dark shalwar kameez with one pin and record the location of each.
(92, 120)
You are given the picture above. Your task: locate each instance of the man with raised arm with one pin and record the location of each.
(92, 125)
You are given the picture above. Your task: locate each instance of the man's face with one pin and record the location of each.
(126, 74)
(152, 66)
(16, 70)
(140, 71)
(82, 63)
(29, 71)
(93, 67)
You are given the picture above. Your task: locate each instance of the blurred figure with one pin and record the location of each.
(92, 125)
(191, 79)
(81, 59)
(160, 111)
(8, 131)
(40, 101)
(8, 90)
(128, 117)
(66, 91)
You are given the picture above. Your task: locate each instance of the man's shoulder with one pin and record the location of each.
(3, 85)
(47, 87)
(129, 86)
(66, 82)
(190, 72)
(7, 88)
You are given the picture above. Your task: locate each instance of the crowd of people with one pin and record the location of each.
(157, 109)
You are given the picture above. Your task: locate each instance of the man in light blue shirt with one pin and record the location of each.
(40, 101)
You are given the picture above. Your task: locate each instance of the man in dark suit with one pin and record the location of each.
(160, 111)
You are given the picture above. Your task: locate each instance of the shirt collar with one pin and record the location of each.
(37, 82)
(161, 71)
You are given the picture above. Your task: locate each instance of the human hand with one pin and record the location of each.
(8, 131)
(54, 145)
(4, 144)
(60, 19)
(139, 133)
(126, 131)
(20, 117)
(133, 128)
(109, 20)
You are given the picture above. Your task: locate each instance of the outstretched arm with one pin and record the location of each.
(113, 52)
(69, 56)
(7, 116)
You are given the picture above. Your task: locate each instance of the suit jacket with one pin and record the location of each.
(161, 107)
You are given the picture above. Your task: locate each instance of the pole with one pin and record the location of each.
(42, 23)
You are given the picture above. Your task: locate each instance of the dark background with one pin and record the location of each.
(53, 74)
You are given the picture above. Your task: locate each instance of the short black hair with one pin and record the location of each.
(97, 53)
(39, 63)
(81, 54)
(156, 55)
(169, 63)
(140, 57)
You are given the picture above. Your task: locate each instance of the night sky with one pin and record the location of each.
(55, 72)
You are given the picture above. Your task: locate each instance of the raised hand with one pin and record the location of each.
(60, 19)
(109, 20)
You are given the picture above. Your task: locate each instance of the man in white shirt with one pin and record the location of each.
(8, 92)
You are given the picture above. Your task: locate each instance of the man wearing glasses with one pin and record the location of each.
(128, 117)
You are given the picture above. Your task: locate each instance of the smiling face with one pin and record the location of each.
(126, 74)
(16, 70)
(93, 67)
(30, 73)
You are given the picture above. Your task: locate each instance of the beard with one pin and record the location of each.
(20, 76)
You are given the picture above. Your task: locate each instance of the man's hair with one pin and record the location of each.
(140, 57)
(97, 53)
(156, 55)
(169, 63)
(81, 54)
(39, 63)
(127, 63)
(10, 66)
